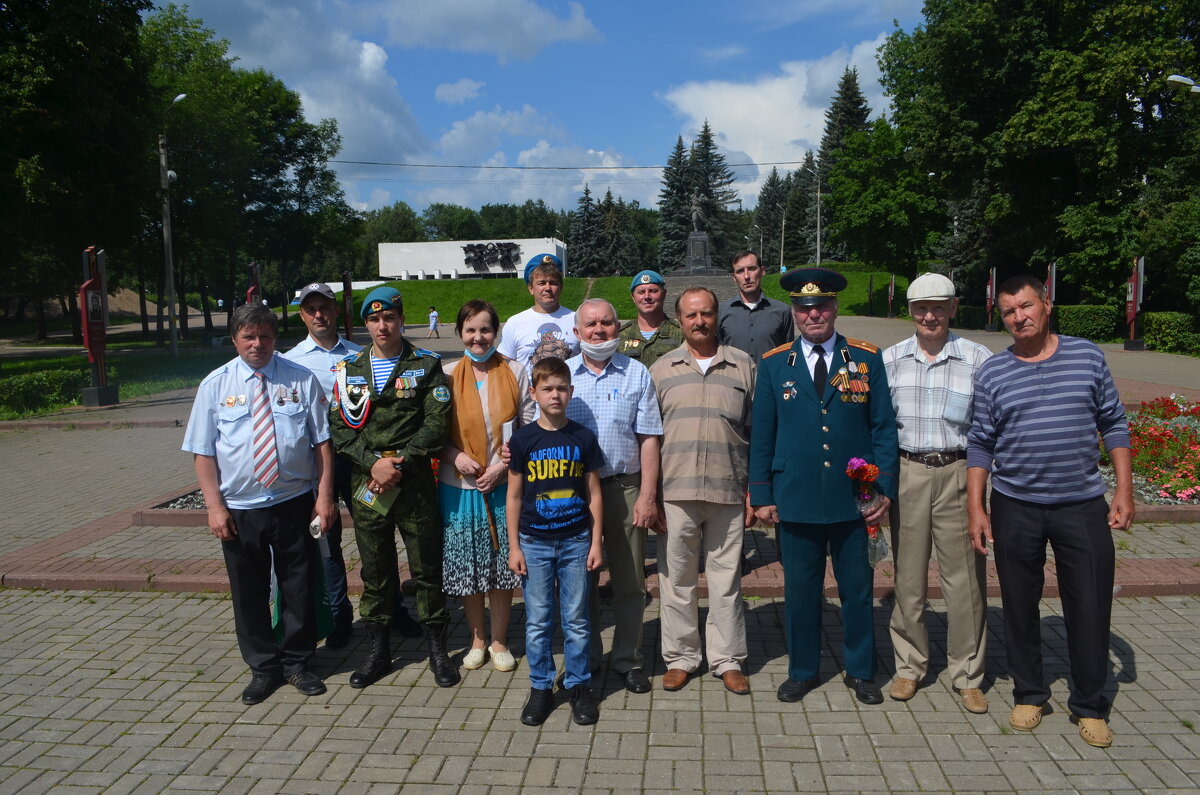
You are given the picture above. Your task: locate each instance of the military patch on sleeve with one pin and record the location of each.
(780, 349)
(424, 352)
(441, 394)
(863, 345)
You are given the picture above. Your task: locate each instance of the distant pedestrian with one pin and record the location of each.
(433, 324)
(259, 433)
(1039, 407)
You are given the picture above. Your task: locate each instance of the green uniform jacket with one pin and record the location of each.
(799, 445)
(665, 339)
(413, 421)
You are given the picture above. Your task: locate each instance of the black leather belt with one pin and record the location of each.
(938, 458)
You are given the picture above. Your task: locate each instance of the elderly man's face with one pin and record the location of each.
(1026, 315)
(932, 318)
(595, 323)
(255, 344)
(815, 323)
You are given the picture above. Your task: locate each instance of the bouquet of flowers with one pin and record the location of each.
(864, 476)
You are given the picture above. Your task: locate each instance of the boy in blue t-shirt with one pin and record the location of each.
(554, 487)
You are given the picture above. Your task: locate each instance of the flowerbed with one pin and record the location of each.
(1165, 439)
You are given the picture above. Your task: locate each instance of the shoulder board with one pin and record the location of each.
(362, 356)
(780, 349)
(863, 344)
(424, 352)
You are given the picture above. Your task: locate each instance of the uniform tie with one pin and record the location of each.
(266, 456)
(820, 372)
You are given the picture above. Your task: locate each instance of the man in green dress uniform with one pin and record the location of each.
(390, 413)
(651, 333)
(818, 402)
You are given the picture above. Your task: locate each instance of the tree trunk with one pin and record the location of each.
(72, 310)
(39, 319)
(162, 289)
(208, 324)
(287, 296)
(141, 281)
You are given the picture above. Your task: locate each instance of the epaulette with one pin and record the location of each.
(358, 357)
(785, 346)
(863, 344)
(425, 352)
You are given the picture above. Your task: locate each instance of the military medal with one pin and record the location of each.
(241, 400)
(229, 401)
(352, 402)
(789, 390)
(295, 395)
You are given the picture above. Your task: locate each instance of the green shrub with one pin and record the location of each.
(1088, 321)
(1168, 331)
(42, 390)
(970, 317)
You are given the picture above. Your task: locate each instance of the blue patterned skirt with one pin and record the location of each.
(470, 565)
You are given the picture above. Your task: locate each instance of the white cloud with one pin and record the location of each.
(777, 117)
(509, 29)
(777, 13)
(724, 53)
(458, 92)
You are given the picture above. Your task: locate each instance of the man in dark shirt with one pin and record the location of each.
(753, 322)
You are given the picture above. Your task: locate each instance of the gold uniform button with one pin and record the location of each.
(827, 465)
(824, 411)
(824, 447)
(825, 428)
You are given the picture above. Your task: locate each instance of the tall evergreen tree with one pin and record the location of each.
(618, 247)
(583, 239)
(769, 215)
(847, 114)
(712, 178)
(801, 237)
(674, 200)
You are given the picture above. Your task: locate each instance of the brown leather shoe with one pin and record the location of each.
(903, 689)
(736, 682)
(1026, 717)
(973, 700)
(675, 679)
(1094, 731)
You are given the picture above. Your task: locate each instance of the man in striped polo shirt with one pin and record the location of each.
(1039, 406)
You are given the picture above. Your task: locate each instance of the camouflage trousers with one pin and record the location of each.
(415, 512)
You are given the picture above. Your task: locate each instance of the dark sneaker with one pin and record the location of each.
(583, 707)
(538, 707)
(307, 683)
(260, 688)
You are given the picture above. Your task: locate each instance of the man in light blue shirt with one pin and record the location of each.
(322, 352)
(259, 433)
(614, 398)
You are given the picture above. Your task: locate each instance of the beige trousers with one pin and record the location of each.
(625, 555)
(714, 530)
(931, 515)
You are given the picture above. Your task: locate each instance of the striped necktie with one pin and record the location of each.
(266, 457)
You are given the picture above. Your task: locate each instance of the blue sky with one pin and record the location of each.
(606, 86)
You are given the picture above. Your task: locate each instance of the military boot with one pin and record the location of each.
(379, 657)
(444, 671)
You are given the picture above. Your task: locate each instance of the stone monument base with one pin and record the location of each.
(698, 261)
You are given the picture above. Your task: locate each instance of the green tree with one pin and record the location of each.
(584, 244)
(73, 129)
(885, 210)
(769, 215)
(451, 222)
(674, 210)
(617, 243)
(848, 113)
(801, 219)
(712, 180)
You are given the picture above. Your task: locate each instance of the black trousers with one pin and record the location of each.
(283, 530)
(1084, 560)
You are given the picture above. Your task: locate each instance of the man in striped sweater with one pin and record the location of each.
(1039, 406)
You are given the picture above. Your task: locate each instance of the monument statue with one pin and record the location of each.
(697, 211)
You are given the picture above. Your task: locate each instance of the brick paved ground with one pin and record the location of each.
(138, 692)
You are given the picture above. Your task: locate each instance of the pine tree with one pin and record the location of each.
(801, 238)
(712, 178)
(769, 215)
(848, 113)
(673, 210)
(583, 246)
(618, 247)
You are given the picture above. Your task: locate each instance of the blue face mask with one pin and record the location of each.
(480, 359)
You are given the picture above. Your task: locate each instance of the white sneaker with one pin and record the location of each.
(503, 660)
(474, 659)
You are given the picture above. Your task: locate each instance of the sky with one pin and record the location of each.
(431, 96)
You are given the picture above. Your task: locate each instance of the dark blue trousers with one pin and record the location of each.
(802, 552)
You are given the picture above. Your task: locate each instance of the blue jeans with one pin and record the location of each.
(556, 569)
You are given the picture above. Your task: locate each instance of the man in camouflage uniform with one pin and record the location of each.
(389, 415)
(651, 333)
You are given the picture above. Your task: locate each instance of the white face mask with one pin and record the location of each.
(600, 351)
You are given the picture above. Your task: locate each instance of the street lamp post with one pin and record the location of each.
(169, 261)
(782, 229)
(760, 238)
(817, 175)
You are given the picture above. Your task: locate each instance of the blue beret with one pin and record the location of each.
(646, 277)
(382, 298)
(541, 259)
